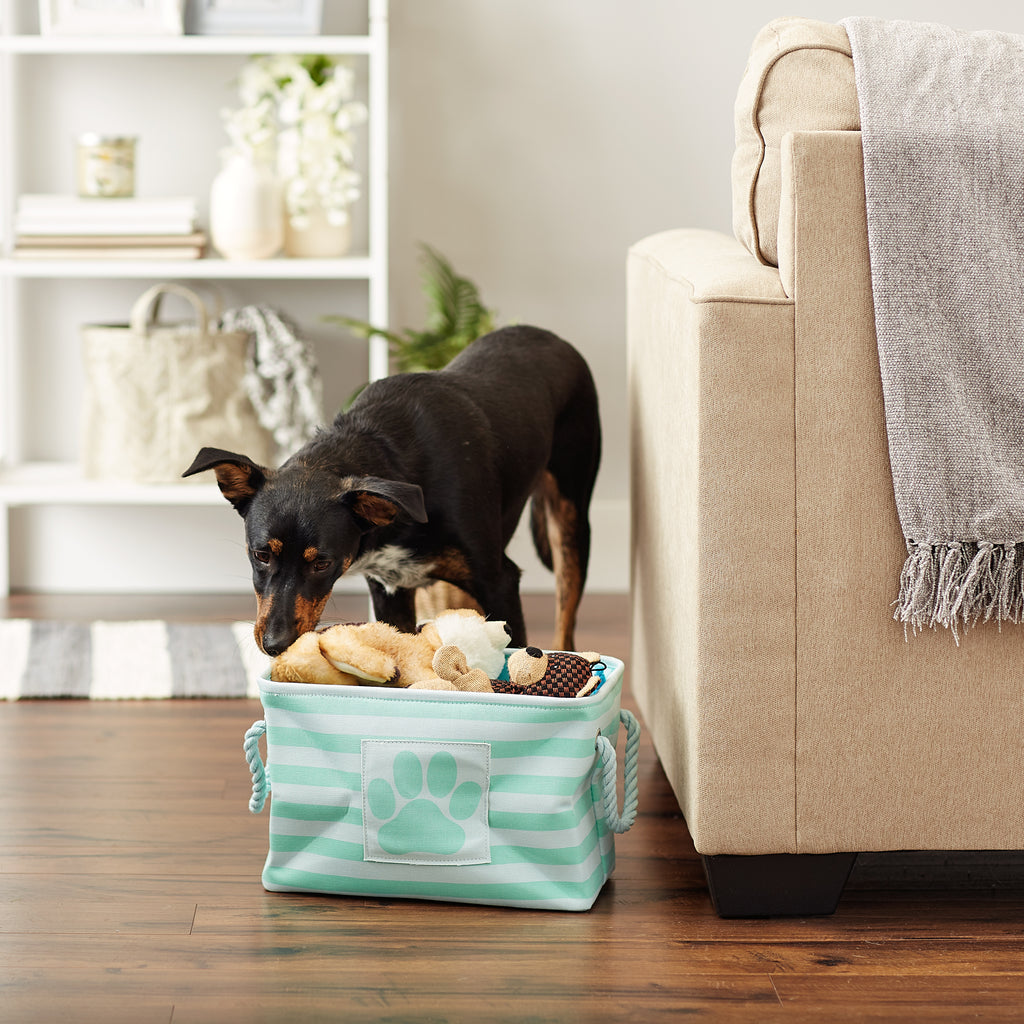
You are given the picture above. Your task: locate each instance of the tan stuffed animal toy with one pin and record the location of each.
(304, 662)
(370, 653)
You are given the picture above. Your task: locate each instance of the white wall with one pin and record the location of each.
(535, 140)
(532, 142)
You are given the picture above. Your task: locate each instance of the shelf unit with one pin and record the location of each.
(24, 483)
(192, 45)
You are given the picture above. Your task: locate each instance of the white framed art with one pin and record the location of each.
(254, 17)
(110, 17)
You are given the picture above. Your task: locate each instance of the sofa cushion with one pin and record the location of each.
(799, 77)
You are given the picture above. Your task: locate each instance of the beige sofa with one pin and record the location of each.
(796, 722)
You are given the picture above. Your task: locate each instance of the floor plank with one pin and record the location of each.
(894, 997)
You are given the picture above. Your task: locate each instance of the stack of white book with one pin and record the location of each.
(67, 227)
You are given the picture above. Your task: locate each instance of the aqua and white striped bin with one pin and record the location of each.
(462, 797)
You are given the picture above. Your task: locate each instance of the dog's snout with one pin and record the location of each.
(274, 633)
(273, 643)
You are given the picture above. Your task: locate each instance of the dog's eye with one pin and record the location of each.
(262, 555)
(321, 565)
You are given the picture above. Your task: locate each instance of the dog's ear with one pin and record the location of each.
(381, 502)
(238, 477)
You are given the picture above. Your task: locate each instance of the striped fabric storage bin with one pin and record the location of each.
(463, 797)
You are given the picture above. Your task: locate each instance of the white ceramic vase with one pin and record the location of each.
(246, 210)
(319, 238)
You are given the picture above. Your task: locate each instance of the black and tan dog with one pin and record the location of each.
(424, 479)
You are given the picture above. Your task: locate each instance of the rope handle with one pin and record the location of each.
(621, 822)
(260, 779)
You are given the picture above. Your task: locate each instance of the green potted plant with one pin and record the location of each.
(456, 316)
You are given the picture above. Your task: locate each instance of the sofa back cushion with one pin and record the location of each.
(799, 77)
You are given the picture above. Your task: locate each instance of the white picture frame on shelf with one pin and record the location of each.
(254, 17)
(111, 17)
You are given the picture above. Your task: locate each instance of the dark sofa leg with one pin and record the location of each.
(777, 884)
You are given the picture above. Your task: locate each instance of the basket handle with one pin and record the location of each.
(620, 822)
(260, 779)
(141, 321)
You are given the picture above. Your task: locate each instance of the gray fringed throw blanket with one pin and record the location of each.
(942, 115)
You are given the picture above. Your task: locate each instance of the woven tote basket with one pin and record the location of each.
(462, 797)
(157, 393)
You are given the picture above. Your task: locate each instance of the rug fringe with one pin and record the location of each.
(957, 584)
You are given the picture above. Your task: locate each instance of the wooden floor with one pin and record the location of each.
(129, 891)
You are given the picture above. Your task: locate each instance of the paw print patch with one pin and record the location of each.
(425, 803)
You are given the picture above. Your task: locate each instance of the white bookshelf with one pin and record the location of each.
(62, 483)
(353, 268)
(26, 482)
(191, 45)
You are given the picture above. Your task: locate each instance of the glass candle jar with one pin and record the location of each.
(106, 165)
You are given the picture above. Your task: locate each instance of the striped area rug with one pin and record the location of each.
(127, 660)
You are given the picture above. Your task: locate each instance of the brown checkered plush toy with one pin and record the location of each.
(555, 674)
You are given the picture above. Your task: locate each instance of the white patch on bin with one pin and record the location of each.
(426, 802)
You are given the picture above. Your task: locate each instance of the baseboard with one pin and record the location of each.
(112, 550)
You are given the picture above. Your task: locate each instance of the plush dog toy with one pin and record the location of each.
(555, 674)
(377, 654)
(304, 662)
(368, 653)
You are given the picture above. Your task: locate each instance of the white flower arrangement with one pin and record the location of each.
(299, 109)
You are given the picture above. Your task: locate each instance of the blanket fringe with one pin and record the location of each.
(958, 584)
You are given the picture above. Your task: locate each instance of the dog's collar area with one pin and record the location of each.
(393, 567)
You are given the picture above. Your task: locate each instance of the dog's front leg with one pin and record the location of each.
(397, 607)
(498, 594)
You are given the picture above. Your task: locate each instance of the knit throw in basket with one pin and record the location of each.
(461, 797)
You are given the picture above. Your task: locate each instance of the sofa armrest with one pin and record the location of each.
(709, 267)
(824, 169)
(711, 347)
